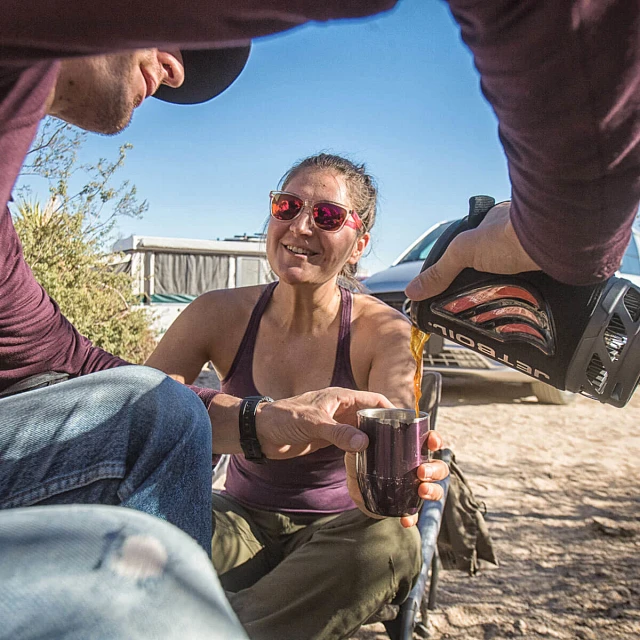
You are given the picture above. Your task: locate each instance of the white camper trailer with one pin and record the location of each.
(168, 273)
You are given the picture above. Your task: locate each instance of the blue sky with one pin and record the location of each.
(398, 92)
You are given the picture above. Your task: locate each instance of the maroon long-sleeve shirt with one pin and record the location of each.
(563, 77)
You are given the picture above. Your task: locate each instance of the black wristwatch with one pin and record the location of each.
(248, 436)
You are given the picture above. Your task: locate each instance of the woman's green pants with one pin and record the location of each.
(304, 577)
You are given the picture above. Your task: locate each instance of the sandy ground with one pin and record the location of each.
(562, 489)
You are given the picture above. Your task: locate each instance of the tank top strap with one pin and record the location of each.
(243, 362)
(342, 372)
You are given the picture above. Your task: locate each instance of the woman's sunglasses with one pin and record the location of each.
(328, 216)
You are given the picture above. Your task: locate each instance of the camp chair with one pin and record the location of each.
(409, 619)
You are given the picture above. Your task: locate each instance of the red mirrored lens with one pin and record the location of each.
(285, 207)
(328, 216)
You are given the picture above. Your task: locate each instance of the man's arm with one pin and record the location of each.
(296, 426)
(562, 78)
(37, 29)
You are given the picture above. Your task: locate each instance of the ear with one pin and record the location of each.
(358, 249)
(173, 66)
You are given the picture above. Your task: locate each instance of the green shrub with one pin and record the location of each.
(65, 243)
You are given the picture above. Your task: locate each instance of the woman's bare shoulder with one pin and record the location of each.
(375, 325)
(372, 314)
(228, 305)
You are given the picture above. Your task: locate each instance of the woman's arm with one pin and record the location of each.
(209, 329)
(186, 346)
(382, 335)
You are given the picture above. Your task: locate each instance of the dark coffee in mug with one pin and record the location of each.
(386, 469)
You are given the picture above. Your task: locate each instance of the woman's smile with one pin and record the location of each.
(299, 251)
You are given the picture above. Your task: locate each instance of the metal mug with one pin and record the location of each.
(386, 469)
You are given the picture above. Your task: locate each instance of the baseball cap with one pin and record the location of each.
(207, 73)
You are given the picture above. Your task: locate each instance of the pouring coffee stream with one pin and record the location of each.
(418, 340)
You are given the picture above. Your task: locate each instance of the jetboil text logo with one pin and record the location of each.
(485, 350)
(506, 311)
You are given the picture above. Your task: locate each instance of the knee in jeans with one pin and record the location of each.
(139, 381)
(159, 400)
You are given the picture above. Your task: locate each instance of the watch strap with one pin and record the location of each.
(247, 422)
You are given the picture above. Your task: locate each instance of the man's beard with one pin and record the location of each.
(99, 94)
(113, 113)
(110, 109)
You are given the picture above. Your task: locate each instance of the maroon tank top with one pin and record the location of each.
(309, 484)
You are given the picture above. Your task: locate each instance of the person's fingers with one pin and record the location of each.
(343, 404)
(335, 400)
(428, 473)
(432, 471)
(440, 275)
(313, 420)
(434, 441)
(430, 491)
(409, 521)
(492, 247)
(370, 400)
(343, 436)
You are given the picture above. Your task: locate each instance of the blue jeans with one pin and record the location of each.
(77, 572)
(129, 436)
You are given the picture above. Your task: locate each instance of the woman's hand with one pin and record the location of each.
(302, 424)
(427, 473)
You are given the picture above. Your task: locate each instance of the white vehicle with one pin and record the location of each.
(453, 359)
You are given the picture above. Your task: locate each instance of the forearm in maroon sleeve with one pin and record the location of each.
(98, 360)
(33, 29)
(206, 395)
(564, 80)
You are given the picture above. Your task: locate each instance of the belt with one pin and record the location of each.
(37, 381)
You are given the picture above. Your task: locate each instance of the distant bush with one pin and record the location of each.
(64, 243)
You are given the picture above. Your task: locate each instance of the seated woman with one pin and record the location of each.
(297, 557)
